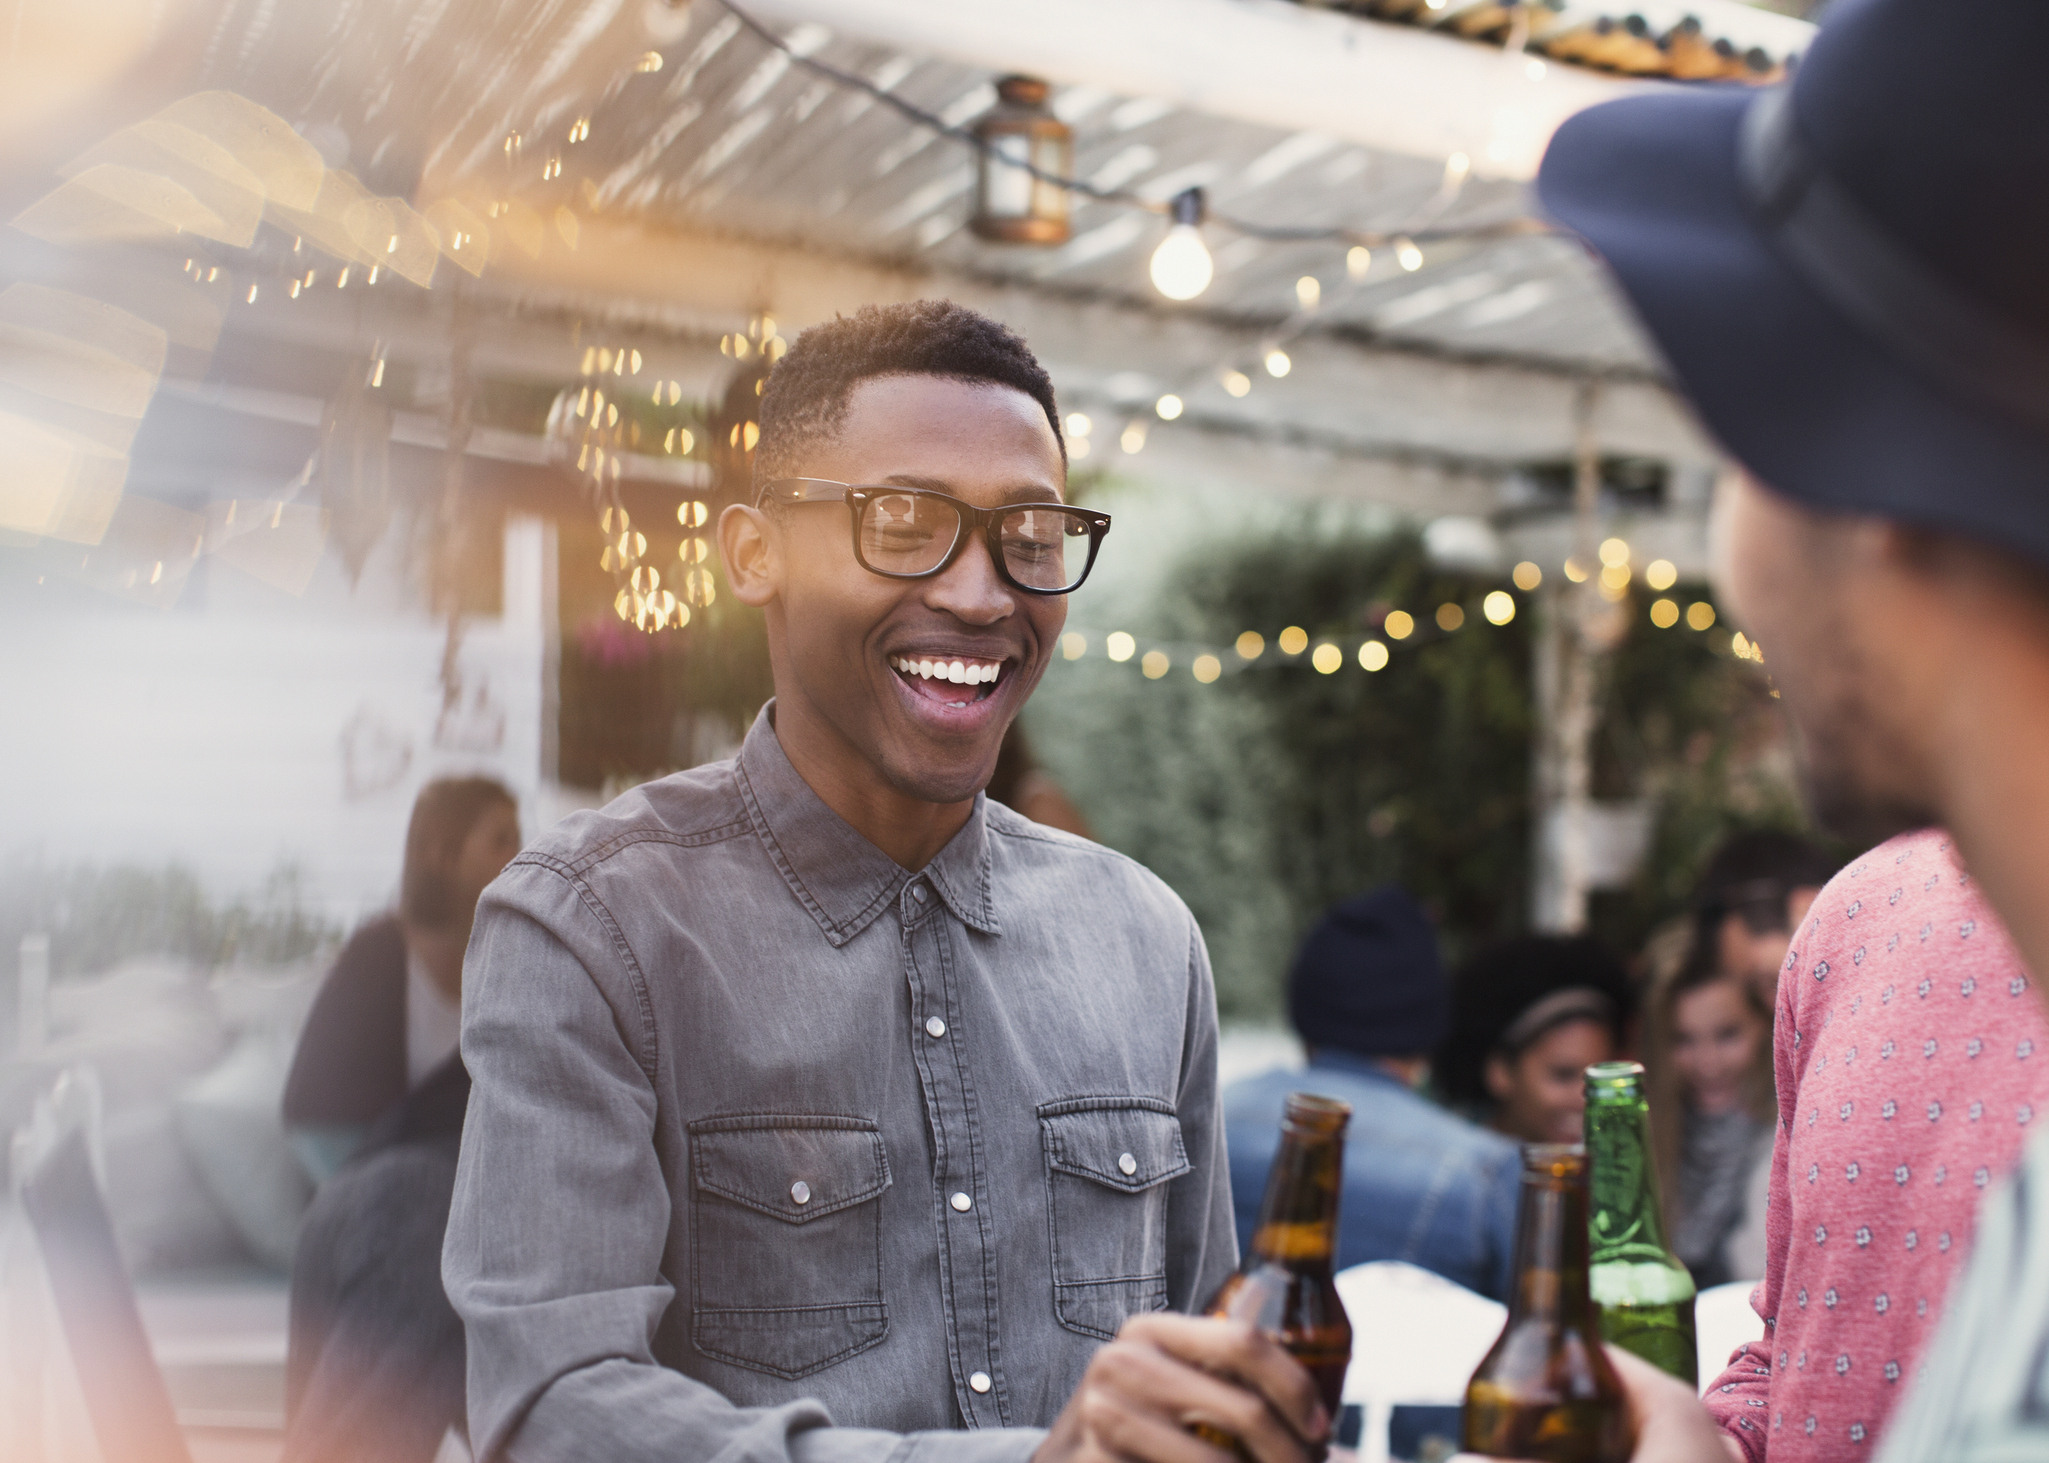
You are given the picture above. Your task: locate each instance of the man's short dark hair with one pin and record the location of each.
(1753, 872)
(443, 816)
(805, 400)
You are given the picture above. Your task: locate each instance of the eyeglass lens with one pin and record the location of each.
(908, 533)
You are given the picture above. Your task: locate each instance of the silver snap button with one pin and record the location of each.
(800, 1192)
(934, 1027)
(1126, 1164)
(961, 1202)
(978, 1381)
(918, 892)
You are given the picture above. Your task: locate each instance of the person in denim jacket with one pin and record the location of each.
(1368, 997)
(824, 1109)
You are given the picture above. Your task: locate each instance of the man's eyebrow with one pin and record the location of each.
(1026, 493)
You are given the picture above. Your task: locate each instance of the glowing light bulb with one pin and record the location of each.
(1181, 267)
(1358, 259)
(1408, 255)
(1237, 382)
(1168, 406)
(1277, 363)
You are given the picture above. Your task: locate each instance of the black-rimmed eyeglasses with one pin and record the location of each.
(914, 533)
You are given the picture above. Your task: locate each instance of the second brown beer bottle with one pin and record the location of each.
(1546, 1391)
(1285, 1285)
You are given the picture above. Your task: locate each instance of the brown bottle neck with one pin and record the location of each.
(1551, 1254)
(1298, 1218)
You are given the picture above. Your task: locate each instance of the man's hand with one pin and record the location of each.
(1671, 1425)
(1165, 1373)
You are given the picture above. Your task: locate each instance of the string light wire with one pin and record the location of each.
(1125, 197)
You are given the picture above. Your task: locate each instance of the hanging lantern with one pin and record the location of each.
(1012, 206)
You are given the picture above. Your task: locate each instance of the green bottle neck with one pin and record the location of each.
(1627, 1223)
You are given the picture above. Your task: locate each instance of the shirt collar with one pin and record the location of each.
(1344, 1061)
(839, 876)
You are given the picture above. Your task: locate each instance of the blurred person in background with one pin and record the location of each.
(375, 1362)
(390, 1011)
(1023, 786)
(1752, 896)
(1368, 996)
(1707, 1056)
(1529, 1016)
(1711, 1121)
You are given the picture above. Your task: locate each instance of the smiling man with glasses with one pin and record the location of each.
(824, 1110)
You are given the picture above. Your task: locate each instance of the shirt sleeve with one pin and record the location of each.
(1739, 1399)
(553, 1256)
(1202, 1241)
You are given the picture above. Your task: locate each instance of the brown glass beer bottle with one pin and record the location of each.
(1285, 1284)
(1546, 1391)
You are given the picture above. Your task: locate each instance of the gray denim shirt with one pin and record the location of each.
(776, 1150)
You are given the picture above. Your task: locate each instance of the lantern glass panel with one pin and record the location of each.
(1011, 205)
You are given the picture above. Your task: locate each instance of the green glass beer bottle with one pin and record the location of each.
(1285, 1285)
(1546, 1391)
(1644, 1293)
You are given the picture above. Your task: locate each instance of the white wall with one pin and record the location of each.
(220, 732)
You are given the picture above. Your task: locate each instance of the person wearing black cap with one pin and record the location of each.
(1367, 996)
(1846, 275)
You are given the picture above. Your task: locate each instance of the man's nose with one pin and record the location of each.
(971, 589)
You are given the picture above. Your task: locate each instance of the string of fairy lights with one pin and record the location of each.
(596, 426)
(1400, 629)
(1181, 266)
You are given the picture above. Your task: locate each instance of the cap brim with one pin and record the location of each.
(1810, 404)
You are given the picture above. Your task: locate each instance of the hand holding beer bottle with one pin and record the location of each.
(1547, 1392)
(1285, 1285)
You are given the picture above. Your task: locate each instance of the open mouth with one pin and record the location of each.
(952, 681)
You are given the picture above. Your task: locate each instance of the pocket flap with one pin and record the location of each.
(1127, 1143)
(793, 1168)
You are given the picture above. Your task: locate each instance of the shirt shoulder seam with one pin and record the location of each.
(649, 1053)
(591, 857)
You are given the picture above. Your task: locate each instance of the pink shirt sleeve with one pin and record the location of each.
(1739, 1398)
(1905, 1046)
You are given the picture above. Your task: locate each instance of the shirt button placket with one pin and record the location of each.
(970, 1320)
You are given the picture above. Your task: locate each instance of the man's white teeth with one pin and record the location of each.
(959, 672)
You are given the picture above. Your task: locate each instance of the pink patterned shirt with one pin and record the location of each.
(1911, 1058)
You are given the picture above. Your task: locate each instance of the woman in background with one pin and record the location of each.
(1529, 1016)
(1708, 1060)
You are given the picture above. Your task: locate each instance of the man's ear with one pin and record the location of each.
(752, 547)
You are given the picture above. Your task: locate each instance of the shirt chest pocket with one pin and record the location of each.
(1109, 1161)
(786, 1240)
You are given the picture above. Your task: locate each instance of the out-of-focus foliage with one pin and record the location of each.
(1276, 791)
(1697, 730)
(1273, 793)
(97, 917)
